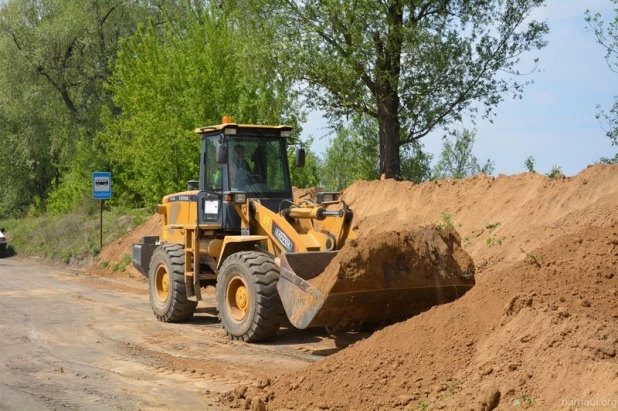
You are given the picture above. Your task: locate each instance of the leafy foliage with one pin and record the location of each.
(415, 163)
(529, 164)
(555, 170)
(309, 175)
(412, 66)
(188, 73)
(353, 155)
(70, 238)
(54, 59)
(447, 221)
(457, 159)
(607, 36)
(492, 238)
(609, 160)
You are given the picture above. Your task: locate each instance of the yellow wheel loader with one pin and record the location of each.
(239, 229)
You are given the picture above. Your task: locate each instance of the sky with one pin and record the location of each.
(555, 121)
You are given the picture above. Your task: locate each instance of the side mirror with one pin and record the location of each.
(222, 153)
(300, 157)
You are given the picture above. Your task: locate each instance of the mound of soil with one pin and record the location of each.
(304, 192)
(496, 217)
(112, 262)
(420, 257)
(539, 330)
(388, 277)
(538, 333)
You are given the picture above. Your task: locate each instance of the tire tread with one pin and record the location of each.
(181, 308)
(269, 313)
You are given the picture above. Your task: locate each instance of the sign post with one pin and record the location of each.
(101, 190)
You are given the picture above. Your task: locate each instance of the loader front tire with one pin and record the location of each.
(166, 285)
(247, 299)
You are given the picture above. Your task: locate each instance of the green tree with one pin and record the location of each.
(69, 45)
(413, 66)
(529, 164)
(353, 155)
(172, 78)
(607, 36)
(309, 175)
(458, 161)
(555, 170)
(415, 163)
(54, 59)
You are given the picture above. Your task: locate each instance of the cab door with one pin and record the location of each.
(212, 178)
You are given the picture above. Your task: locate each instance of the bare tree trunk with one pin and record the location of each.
(388, 69)
(390, 165)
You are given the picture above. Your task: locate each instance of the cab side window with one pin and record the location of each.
(213, 177)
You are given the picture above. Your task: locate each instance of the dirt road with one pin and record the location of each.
(73, 341)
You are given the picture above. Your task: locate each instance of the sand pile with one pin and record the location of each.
(539, 330)
(433, 254)
(387, 277)
(526, 210)
(119, 252)
(304, 192)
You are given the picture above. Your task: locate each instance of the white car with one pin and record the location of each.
(3, 243)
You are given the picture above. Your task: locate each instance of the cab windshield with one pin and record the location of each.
(256, 165)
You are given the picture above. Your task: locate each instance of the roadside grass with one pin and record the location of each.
(71, 238)
(122, 265)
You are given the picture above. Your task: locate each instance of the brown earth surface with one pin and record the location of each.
(530, 334)
(529, 209)
(70, 341)
(539, 330)
(381, 279)
(433, 254)
(113, 254)
(304, 192)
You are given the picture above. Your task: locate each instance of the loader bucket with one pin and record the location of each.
(395, 283)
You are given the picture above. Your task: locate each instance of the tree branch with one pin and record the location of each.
(62, 90)
(360, 71)
(15, 40)
(462, 96)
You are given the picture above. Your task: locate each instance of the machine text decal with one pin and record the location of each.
(283, 239)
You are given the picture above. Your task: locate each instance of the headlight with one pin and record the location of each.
(235, 197)
(240, 198)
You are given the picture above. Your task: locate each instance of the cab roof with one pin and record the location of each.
(223, 126)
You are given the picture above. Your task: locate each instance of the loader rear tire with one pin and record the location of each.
(247, 299)
(166, 285)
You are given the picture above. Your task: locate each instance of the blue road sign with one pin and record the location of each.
(101, 185)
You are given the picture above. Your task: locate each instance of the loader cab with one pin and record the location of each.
(253, 161)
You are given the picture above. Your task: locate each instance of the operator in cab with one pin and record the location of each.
(240, 171)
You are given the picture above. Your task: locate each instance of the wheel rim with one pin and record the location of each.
(237, 298)
(162, 283)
